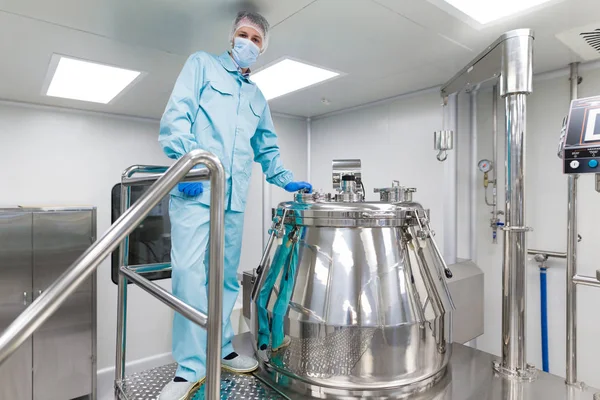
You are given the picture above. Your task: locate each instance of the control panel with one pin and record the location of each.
(581, 150)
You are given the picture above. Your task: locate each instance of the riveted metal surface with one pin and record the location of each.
(324, 357)
(148, 384)
(243, 387)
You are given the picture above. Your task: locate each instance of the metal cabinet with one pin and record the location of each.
(36, 247)
(16, 276)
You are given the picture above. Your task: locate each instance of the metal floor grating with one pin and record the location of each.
(334, 355)
(148, 384)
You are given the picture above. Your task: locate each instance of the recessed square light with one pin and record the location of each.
(487, 11)
(87, 81)
(287, 76)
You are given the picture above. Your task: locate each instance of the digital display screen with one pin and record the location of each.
(592, 130)
(581, 152)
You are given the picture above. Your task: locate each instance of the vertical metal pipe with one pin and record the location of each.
(515, 247)
(474, 179)
(571, 366)
(495, 151)
(121, 344)
(571, 303)
(308, 145)
(450, 122)
(574, 80)
(215, 281)
(516, 82)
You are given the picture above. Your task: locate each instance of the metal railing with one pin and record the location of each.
(135, 274)
(50, 300)
(547, 253)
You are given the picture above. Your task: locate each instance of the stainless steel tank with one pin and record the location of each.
(350, 299)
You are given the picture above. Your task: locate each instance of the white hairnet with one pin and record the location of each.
(252, 20)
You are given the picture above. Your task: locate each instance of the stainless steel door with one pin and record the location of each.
(15, 296)
(62, 347)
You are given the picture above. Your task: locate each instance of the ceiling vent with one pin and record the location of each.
(592, 38)
(584, 41)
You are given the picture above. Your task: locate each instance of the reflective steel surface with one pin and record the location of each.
(36, 245)
(62, 347)
(469, 377)
(514, 266)
(355, 310)
(571, 270)
(148, 384)
(16, 275)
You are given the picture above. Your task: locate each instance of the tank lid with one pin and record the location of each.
(321, 211)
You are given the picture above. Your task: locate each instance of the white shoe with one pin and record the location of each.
(286, 342)
(179, 390)
(240, 365)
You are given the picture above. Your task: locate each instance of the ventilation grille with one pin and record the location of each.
(583, 41)
(592, 38)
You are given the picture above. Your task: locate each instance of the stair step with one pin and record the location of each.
(148, 384)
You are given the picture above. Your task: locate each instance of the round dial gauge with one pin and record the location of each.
(485, 165)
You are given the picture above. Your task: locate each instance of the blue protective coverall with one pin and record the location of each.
(213, 107)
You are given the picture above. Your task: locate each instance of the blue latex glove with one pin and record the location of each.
(296, 186)
(191, 189)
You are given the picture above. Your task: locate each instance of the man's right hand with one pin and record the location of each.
(192, 189)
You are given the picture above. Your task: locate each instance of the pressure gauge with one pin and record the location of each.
(485, 165)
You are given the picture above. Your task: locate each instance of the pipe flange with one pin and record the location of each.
(517, 228)
(528, 374)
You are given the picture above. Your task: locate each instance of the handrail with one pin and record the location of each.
(181, 307)
(196, 175)
(547, 253)
(586, 280)
(50, 300)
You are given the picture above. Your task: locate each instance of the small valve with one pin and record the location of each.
(541, 260)
(495, 225)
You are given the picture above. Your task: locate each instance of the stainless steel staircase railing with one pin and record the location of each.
(50, 300)
(135, 273)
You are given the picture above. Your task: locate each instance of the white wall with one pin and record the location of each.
(291, 132)
(546, 204)
(293, 138)
(59, 157)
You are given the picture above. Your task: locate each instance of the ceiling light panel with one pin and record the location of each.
(485, 12)
(88, 81)
(288, 76)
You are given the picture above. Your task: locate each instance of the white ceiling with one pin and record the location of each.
(384, 47)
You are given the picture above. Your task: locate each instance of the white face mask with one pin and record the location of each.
(244, 52)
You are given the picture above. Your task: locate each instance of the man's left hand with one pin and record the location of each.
(297, 186)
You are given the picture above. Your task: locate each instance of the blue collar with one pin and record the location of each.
(229, 64)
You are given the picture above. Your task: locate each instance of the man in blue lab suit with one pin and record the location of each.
(216, 107)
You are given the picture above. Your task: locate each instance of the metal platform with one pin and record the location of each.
(470, 377)
(147, 386)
